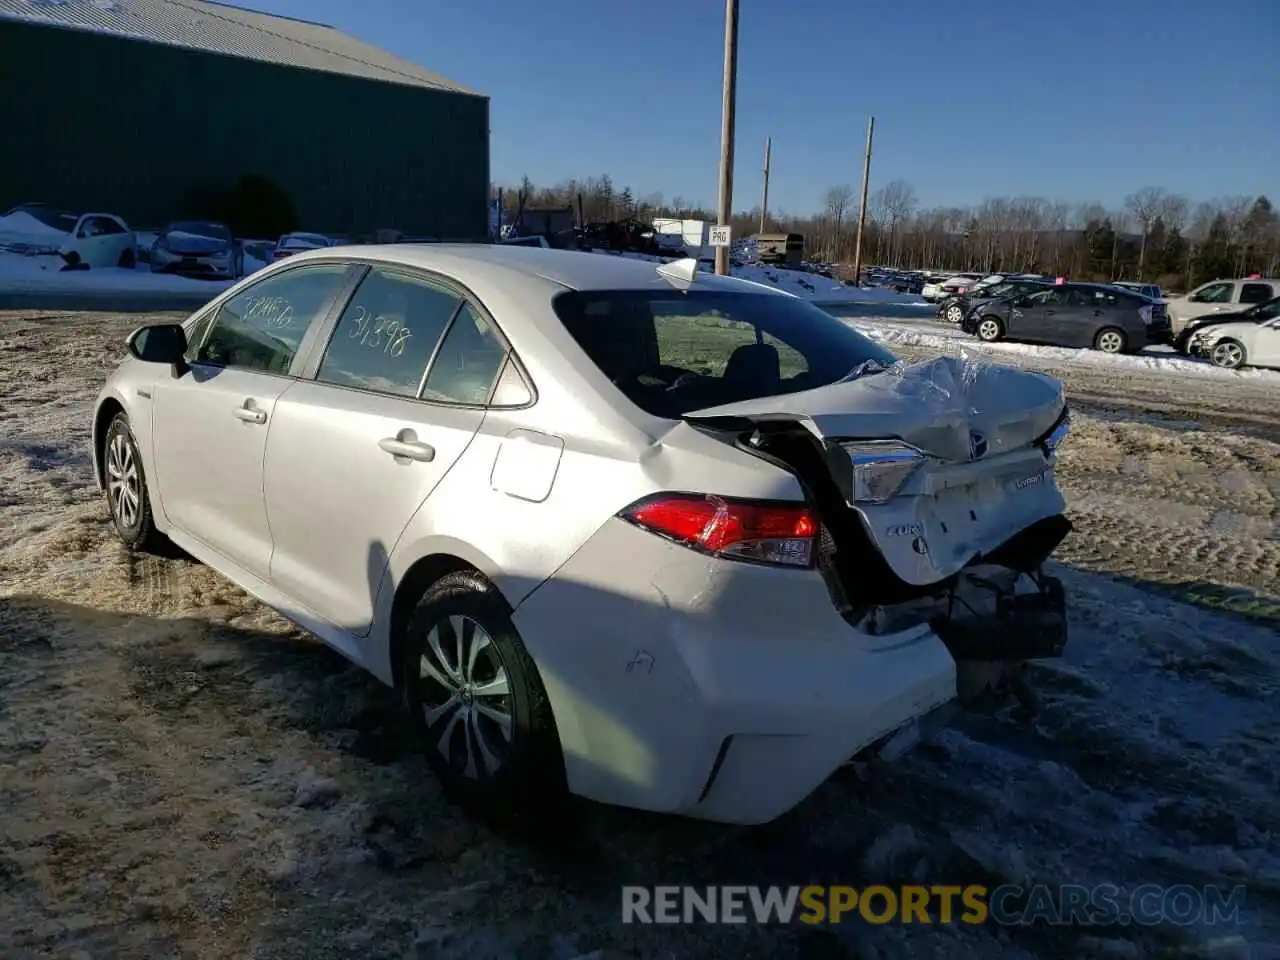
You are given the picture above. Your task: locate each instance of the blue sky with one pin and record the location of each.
(1089, 104)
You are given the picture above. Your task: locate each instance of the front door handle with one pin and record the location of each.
(249, 415)
(409, 449)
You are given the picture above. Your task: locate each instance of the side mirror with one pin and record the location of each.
(160, 343)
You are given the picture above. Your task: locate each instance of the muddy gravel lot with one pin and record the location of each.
(185, 774)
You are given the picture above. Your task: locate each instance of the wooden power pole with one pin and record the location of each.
(724, 211)
(862, 208)
(764, 199)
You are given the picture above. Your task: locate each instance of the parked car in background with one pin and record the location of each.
(1220, 296)
(535, 241)
(949, 286)
(955, 309)
(1226, 338)
(1150, 290)
(1255, 342)
(198, 248)
(81, 239)
(1074, 315)
(668, 540)
(292, 243)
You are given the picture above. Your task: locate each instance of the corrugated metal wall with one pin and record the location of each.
(89, 121)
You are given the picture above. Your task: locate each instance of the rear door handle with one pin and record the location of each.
(409, 449)
(249, 415)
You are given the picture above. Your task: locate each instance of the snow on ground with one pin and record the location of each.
(894, 331)
(44, 274)
(184, 773)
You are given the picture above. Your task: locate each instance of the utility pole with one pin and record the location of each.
(862, 208)
(724, 211)
(764, 200)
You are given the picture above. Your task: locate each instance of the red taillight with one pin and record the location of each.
(740, 530)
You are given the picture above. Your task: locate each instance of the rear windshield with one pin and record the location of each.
(672, 353)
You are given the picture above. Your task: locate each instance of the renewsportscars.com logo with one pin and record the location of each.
(1008, 905)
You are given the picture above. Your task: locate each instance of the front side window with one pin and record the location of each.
(261, 327)
(387, 333)
(1047, 298)
(673, 353)
(1215, 293)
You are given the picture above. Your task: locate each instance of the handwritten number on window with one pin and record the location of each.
(385, 334)
(274, 312)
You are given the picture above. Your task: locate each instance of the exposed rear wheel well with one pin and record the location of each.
(414, 584)
(106, 413)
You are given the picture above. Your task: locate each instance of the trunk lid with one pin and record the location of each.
(936, 406)
(982, 479)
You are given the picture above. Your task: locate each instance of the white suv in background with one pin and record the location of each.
(1219, 296)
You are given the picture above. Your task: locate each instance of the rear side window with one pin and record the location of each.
(672, 353)
(387, 333)
(1255, 293)
(261, 327)
(468, 361)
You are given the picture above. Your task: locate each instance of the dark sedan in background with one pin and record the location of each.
(1186, 339)
(955, 309)
(1074, 315)
(198, 248)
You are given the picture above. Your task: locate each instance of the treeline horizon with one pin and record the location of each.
(1154, 235)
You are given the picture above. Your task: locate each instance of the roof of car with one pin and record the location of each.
(571, 269)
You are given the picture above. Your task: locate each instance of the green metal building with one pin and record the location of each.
(130, 106)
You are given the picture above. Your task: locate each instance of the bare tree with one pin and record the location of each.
(836, 204)
(898, 200)
(1145, 205)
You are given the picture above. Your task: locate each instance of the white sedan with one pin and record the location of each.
(1246, 343)
(87, 239)
(659, 538)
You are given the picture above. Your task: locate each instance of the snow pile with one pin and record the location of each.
(23, 224)
(44, 274)
(1153, 359)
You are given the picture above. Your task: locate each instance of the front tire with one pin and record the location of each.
(1111, 340)
(477, 702)
(989, 329)
(126, 489)
(1228, 354)
(954, 314)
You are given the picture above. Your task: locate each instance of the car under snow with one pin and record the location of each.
(82, 240)
(666, 540)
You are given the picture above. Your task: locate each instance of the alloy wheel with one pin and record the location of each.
(124, 484)
(988, 330)
(466, 697)
(1227, 354)
(955, 314)
(1110, 342)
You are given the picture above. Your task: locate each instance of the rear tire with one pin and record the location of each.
(1229, 354)
(989, 329)
(1111, 340)
(127, 260)
(128, 499)
(477, 702)
(954, 314)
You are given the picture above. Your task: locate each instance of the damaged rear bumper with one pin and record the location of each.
(1026, 626)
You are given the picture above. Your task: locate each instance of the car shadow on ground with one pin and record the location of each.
(257, 710)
